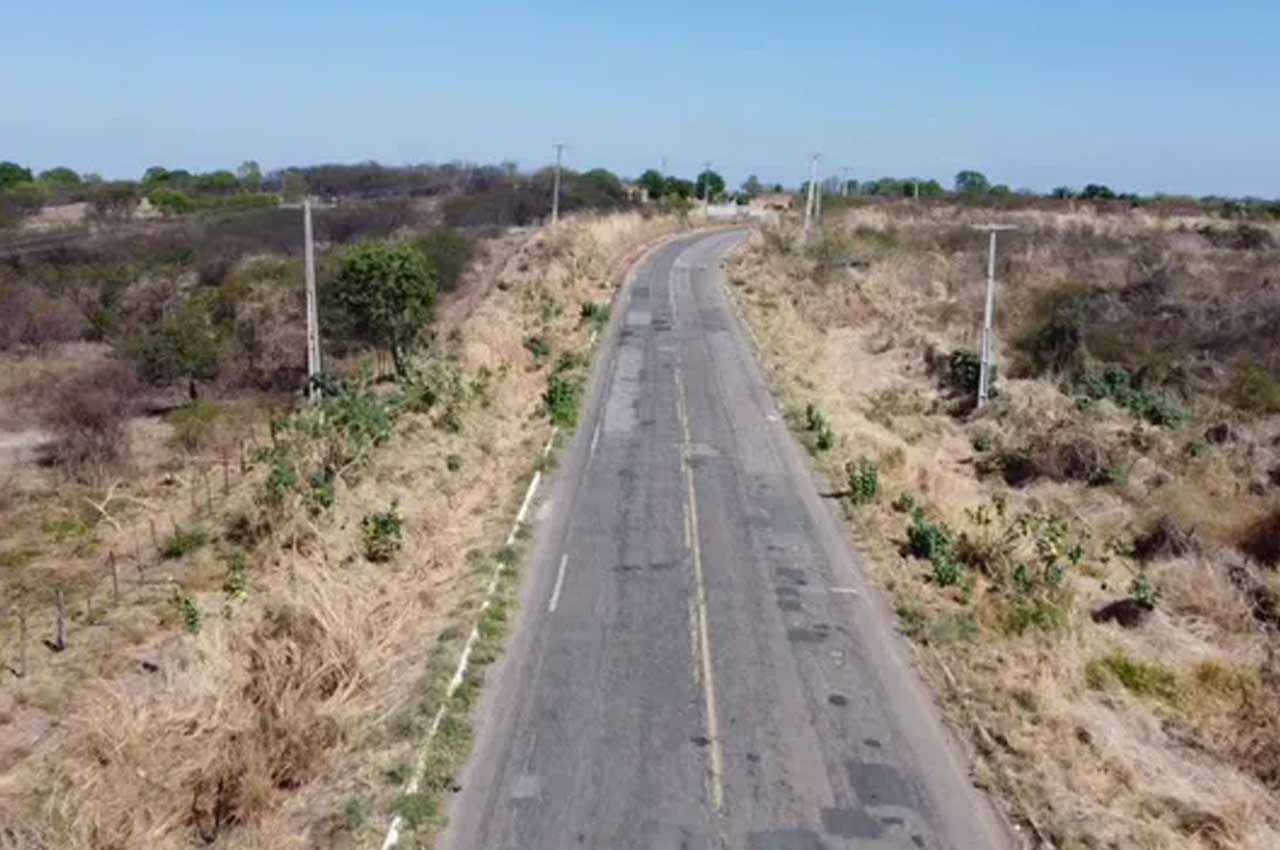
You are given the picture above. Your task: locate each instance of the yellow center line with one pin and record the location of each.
(700, 607)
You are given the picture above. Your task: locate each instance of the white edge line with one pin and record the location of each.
(595, 438)
(555, 593)
(464, 661)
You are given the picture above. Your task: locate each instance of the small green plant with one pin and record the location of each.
(1129, 390)
(187, 608)
(453, 463)
(905, 503)
(382, 533)
(934, 542)
(596, 314)
(561, 400)
(537, 346)
(981, 442)
(182, 542)
(237, 583)
(864, 481)
(816, 423)
(353, 813)
(1195, 448)
(962, 373)
(1142, 590)
(1021, 615)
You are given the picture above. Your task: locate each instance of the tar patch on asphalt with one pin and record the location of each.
(878, 784)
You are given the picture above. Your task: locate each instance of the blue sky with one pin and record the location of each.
(1142, 95)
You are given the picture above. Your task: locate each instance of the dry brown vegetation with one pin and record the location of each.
(1125, 693)
(260, 680)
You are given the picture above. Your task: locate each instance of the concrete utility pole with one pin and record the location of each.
(987, 355)
(555, 193)
(808, 202)
(844, 182)
(313, 315)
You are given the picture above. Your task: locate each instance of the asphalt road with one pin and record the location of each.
(698, 662)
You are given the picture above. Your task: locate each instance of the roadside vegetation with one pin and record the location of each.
(1087, 568)
(261, 596)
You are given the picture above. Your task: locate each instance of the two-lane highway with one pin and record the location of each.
(697, 662)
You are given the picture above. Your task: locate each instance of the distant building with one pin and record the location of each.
(773, 202)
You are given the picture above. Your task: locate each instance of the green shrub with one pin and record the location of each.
(935, 543)
(382, 533)
(981, 442)
(182, 542)
(596, 314)
(171, 202)
(1020, 615)
(1127, 390)
(190, 613)
(449, 252)
(864, 481)
(453, 463)
(560, 401)
(237, 583)
(1195, 448)
(962, 373)
(536, 346)
(1144, 591)
(816, 423)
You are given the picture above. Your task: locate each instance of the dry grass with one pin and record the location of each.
(296, 700)
(1093, 735)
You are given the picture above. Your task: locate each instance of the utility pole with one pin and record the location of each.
(313, 315)
(555, 195)
(844, 183)
(987, 356)
(808, 203)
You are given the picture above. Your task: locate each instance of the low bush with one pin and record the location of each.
(382, 534)
(864, 481)
(560, 401)
(182, 542)
(29, 316)
(596, 314)
(1057, 343)
(816, 424)
(962, 372)
(449, 252)
(1128, 390)
(1261, 539)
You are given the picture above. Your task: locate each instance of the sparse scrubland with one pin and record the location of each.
(1087, 569)
(264, 598)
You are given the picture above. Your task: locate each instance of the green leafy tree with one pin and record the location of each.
(1000, 190)
(652, 182)
(11, 174)
(1096, 191)
(708, 181)
(217, 183)
(250, 175)
(1064, 193)
(28, 196)
(171, 201)
(387, 292)
(752, 186)
(60, 177)
(972, 183)
(677, 187)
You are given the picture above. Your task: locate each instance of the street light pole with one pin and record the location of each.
(313, 320)
(555, 192)
(987, 354)
(809, 198)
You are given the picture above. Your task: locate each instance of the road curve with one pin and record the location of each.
(698, 662)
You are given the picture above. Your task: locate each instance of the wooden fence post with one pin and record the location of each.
(115, 576)
(59, 622)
